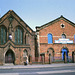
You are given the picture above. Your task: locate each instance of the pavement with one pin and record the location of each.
(36, 65)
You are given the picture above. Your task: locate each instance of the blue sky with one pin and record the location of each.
(38, 12)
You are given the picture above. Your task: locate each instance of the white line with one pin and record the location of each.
(61, 71)
(24, 73)
(9, 73)
(43, 72)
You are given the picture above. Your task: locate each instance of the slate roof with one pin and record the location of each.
(10, 13)
(54, 21)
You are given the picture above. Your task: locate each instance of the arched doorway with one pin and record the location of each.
(25, 56)
(50, 52)
(9, 57)
(65, 54)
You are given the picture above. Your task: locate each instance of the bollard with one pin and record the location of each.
(30, 60)
(49, 58)
(42, 59)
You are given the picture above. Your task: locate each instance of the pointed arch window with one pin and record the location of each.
(26, 38)
(50, 39)
(19, 35)
(3, 34)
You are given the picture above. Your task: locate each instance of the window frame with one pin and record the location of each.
(50, 36)
(63, 36)
(19, 38)
(74, 38)
(61, 25)
(3, 35)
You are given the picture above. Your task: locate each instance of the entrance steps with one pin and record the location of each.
(8, 64)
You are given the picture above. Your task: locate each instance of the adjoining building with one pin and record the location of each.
(17, 44)
(56, 41)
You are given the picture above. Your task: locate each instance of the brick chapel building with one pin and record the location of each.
(56, 41)
(16, 40)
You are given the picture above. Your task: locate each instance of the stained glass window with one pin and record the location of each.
(3, 35)
(19, 35)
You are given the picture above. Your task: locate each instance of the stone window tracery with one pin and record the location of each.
(3, 35)
(19, 35)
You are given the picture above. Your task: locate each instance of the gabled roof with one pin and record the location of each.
(54, 21)
(11, 12)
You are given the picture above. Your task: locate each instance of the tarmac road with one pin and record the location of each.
(67, 69)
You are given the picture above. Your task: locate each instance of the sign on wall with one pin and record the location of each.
(64, 41)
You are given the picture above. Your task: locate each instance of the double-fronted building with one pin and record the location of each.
(52, 42)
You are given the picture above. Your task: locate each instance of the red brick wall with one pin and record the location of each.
(56, 30)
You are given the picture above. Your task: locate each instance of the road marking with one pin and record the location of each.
(43, 72)
(25, 73)
(60, 71)
(9, 73)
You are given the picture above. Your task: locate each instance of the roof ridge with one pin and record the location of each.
(53, 21)
(10, 11)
